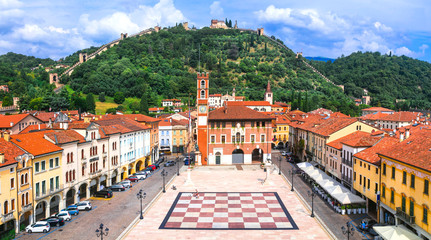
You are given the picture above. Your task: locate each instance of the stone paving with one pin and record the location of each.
(227, 179)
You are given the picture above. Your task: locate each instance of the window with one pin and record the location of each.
(57, 161)
(51, 184)
(203, 94)
(412, 207)
(12, 183)
(412, 182)
(426, 187)
(377, 170)
(12, 205)
(212, 139)
(238, 137)
(218, 126)
(393, 172)
(51, 163)
(252, 124)
(252, 138)
(368, 184)
(223, 124)
(384, 169)
(223, 138)
(403, 203)
(404, 177)
(360, 179)
(57, 180)
(425, 216)
(6, 207)
(263, 124)
(36, 167)
(212, 125)
(37, 189)
(375, 188)
(262, 138)
(392, 195)
(383, 191)
(43, 187)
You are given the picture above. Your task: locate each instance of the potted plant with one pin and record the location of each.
(354, 209)
(359, 210)
(262, 165)
(349, 209)
(343, 210)
(364, 209)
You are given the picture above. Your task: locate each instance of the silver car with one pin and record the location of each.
(126, 183)
(84, 205)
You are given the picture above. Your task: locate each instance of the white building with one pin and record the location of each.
(214, 101)
(165, 135)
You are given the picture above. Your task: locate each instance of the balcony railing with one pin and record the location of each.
(346, 179)
(96, 172)
(347, 162)
(7, 217)
(405, 217)
(26, 208)
(56, 189)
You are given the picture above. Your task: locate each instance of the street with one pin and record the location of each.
(116, 213)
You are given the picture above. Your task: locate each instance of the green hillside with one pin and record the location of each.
(386, 77)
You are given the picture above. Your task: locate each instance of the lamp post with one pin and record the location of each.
(141, 195)
(350, 230)
(178, 166)
(100, 232)
(164, 174)
(312, 194)
(279, 165)
(292, 172)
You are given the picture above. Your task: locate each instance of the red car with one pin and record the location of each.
(133, 178)
(152, 167)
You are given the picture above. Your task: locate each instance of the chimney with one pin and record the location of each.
(38, 126)
(2, 158)
(61, 125)
(11, 124)
(66, 125)
(6, 136)
(401, 136)
(407, 133)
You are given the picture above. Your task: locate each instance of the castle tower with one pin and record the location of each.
(268, 94)
(202, 105)
(82, 57)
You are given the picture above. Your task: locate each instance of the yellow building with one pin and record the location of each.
(47, 177)
(180, 135)
(405, 177)
(281, 131)
(366, 173)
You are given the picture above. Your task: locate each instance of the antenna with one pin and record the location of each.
(199, 63)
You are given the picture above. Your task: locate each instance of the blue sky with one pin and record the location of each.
(55, 29)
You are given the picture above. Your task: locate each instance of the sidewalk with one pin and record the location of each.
(333, 220)
(228, 179)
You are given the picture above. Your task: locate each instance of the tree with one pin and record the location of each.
(91, 105)
(7, 101)
(144, 103)
(119, 97)
(102, 97)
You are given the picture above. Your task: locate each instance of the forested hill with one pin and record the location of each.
(386, 77)
(163, 65)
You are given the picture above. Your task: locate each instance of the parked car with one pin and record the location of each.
(169, 163)
(65, 215)
(84, 205)
(40, 226)
(126, 183)
(153, 167)
(106, 193)
(141, 175)
(133, 178)
(118, 187)
(157, 165)
(150, 169)
(72, 209)
(54, 221)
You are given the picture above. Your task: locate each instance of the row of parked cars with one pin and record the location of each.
(59, 218)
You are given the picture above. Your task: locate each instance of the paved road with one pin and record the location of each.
(333, 220)
(116, 213)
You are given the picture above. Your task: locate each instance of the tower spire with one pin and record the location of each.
(268, 87)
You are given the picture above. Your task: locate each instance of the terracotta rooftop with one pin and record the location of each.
(125, 123)
(35, 143)
(401, 117)
(234, 112)
(112, 129)
(71, 112)
(171, 100)
(355, 139)
(370, 154)
(45, 116)
(248, 103)
(215, 95)
(165, 122)
(65, 136)
(7, 121)
(325, 126)
(155, 109)
(134, 117)
(282, 104)
(415, 150)
(10, 151)
(321, 111)
(282, 120)
(79, 125)
(378, 109)
(374, 116)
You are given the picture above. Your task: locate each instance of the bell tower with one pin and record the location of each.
(202, 105)
(268, 94)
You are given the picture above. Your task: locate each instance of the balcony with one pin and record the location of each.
(7, 217)
(405, 217)
(55, 190)
(104, 154)
(347, 162)
(84, 160)
(26, 208)
(346, 179)
(96, 172)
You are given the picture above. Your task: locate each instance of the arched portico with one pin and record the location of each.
(54, 204)
(41, 210)
(70, 196)
(257, 155)
(238, 156)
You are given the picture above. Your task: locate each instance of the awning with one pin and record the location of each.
(395, 233)
(347, 198)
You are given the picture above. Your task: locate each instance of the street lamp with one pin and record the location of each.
(350, 230)
(178, 166)
(292, 172)
(141, 195)
(100, 232)
(164, 174)
(312, 194)
(279, 165)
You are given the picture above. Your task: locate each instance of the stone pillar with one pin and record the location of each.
(98, 184)
(87, 194)
(31, 218)
(48, 210)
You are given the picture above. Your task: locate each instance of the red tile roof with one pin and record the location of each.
(234, 112)
(155, 109)
(370, 154)
(108, 130)
(45, 116)
(35, 143)
(378, 109)
(374, 116)
(10, 151)
(215, 95)
(402, 117)
(79, 125)
(415, 150)
(71, 112)
(355, 139)
(7, 121)
(65, 136)
(126, 124)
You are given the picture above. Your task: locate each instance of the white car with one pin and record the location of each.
(41, 226)
(84, 205)
(141, 175)
(65, 215)
(126, 183)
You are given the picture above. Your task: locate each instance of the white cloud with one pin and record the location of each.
(382, 27)
(423, 47)
(216, 10)
(404, 51)
(164, 13)
(114, 24)
(10, 4)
